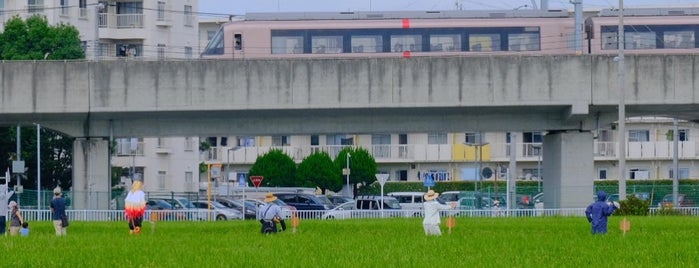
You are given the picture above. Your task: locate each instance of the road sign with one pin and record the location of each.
(256, 180)
(216, 171)
(382, 178)
(429, 181)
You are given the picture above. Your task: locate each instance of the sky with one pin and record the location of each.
(217, 8)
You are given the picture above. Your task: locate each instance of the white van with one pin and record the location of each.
(411, 201)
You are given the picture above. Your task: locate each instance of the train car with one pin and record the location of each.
(646, 31)
(393, 34)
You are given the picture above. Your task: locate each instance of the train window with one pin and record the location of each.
(238, 41)
(609, 40)
(640, 40)
(326, 44)
(678, 39)
(523, 41)
(287, 44)
(215, 46)
(445, 42)
(412, 42)
(367, 43)
(484, 42)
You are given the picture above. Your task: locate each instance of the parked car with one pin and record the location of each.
(411, 201)
(365, 207)
(303, 201)
(183, 203)
(682, 201)
(160, 210)
(287, 210)
(640, 195)
(221, 212)
(237, 204)
(338, 199)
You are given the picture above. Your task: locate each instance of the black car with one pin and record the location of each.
(304, 201)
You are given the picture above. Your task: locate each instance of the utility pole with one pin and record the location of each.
(578, 25)
(621, 77)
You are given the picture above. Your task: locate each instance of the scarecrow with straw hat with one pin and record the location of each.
(432, 208)
(135, 207)
(270, 214)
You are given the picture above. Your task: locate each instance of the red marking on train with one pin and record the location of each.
(406, 54)
(406, 23)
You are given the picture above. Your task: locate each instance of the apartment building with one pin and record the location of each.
(460, 156)
(140, 29)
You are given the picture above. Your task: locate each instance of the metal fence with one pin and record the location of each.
(194, 216)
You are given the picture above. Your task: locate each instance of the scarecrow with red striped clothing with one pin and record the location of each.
(135, 207)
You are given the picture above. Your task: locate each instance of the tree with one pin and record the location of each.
(318, 169)
(56, 157)
(35, 39)
(363, 167)
(277, 168)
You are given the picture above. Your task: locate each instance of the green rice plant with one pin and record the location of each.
(652, 241)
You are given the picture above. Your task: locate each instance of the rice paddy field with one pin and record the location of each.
(670, 241)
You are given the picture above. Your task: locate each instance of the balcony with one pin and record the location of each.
(120, 21)
(492, 152)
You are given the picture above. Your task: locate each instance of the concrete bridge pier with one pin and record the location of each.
(90, 174)
(568, 169)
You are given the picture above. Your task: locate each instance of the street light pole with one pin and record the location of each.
(349, 192)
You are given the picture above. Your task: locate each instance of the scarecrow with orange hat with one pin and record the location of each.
(432, 208)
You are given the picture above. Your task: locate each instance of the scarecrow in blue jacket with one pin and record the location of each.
(598, 212)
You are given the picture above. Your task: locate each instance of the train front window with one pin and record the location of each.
(484, 42)
(400, 43)
(216, 45)
(367, 43)
(445, 42)
(326, 44)
(678, 39)
(524, 42)
(287, 44)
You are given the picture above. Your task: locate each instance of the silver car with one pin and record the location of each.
(220, 212)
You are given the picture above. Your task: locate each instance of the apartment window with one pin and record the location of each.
(402, 175)
(437, 138)
(161, 11)
(381, 145)
(602, 174)
(340, 139)
(639, 135)
(247, 141)
(684, 173)
(187, 52)
(683, 135)
(473, 138)
(604, 135)
(315, 140)
(35, 6)
(188, 144)
(161, 51)
(188, 177)
(280, 140)
(161, 179)
(65, 9)
(639, 174)
(188, 18)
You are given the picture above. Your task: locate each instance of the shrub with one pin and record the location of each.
(633, 206)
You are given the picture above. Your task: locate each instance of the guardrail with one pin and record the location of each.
(193, 215)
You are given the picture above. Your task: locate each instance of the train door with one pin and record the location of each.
(238, 51)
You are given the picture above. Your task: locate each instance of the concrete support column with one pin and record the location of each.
(568, 173)
(90, 174)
